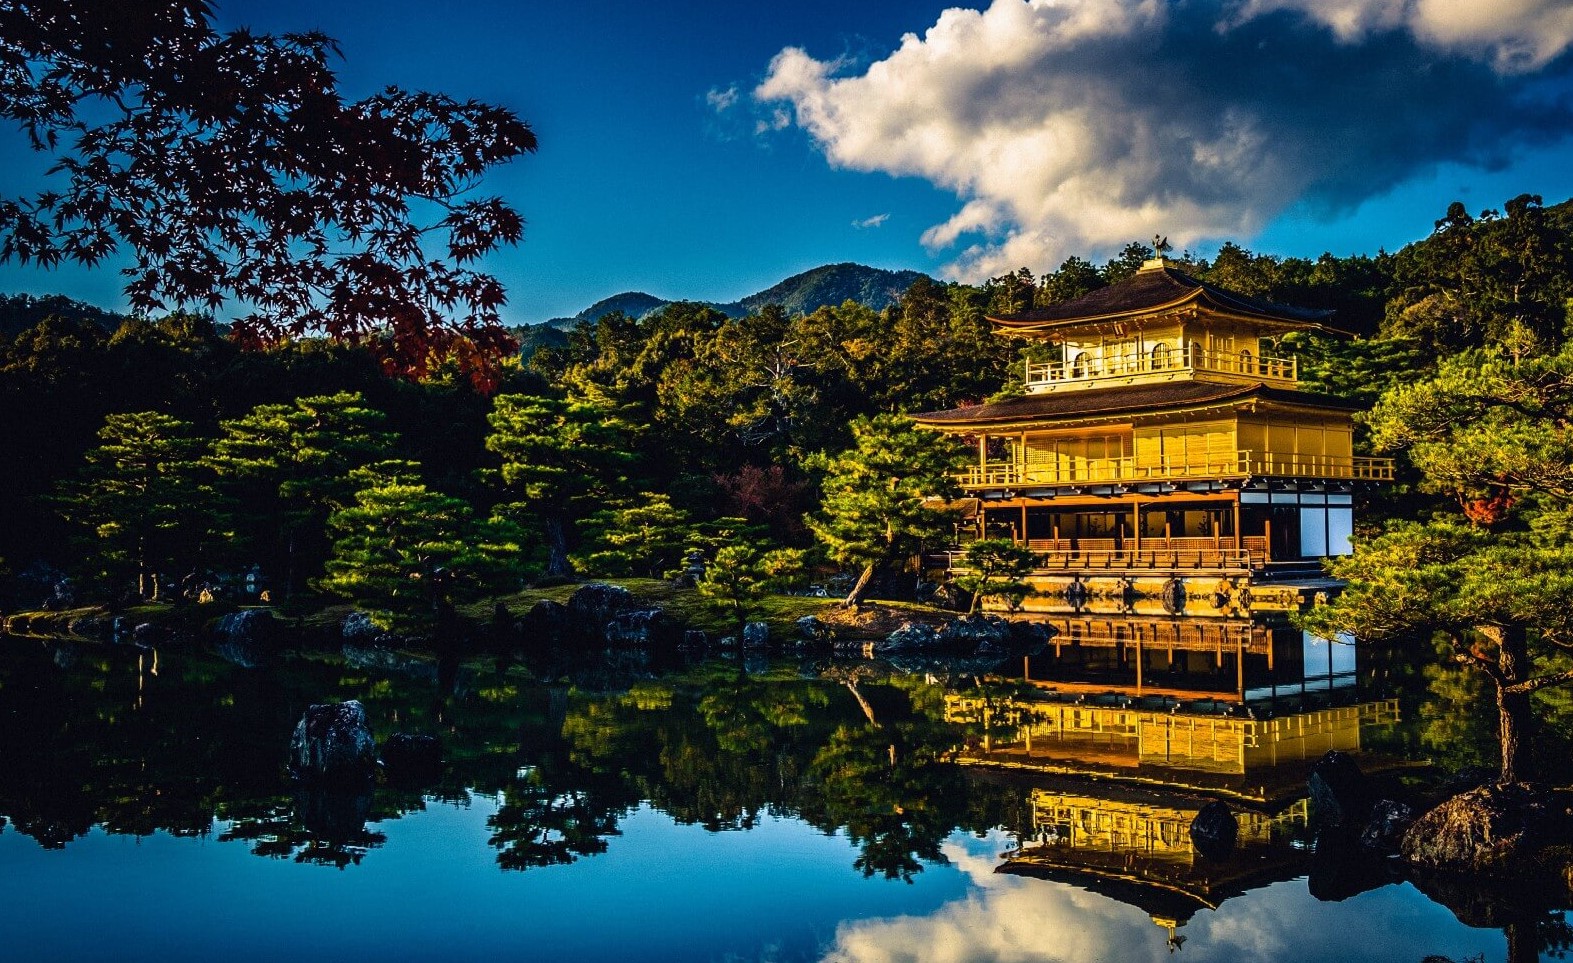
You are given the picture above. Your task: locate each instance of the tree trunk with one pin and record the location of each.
(1514, 715)
(855, 597)
(557, 564)
(1514, 718)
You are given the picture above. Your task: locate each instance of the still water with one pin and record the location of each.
(627, 811)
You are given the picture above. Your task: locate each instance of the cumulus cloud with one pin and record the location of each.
(868, 222)
(1074, 126)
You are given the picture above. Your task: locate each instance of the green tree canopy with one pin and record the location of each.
(145, 496)
(561, 460)
(884, 495)
(291, 464)
(409, 554)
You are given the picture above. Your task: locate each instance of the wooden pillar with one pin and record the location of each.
(1237, 533)
(1267, 534)
(1023, 523)
(1138, 663)
(1137, 507)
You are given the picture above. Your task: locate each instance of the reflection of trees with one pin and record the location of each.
(103, 741)
(543, 822)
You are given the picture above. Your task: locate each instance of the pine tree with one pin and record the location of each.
(409, 554)
(560, 460)
(292, 462)
(996, 568)
(144, 493)
(644, 537)
(885, 494)
(738, 575)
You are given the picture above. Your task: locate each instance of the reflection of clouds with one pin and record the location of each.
(1012, 918)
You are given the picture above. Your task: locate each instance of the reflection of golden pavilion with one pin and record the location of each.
(1133, 844)
(1166, 438)
(1239, 704)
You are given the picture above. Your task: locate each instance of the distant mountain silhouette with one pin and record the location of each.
(18, 312)
(800, 294)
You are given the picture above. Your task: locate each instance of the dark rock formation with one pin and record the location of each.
(1491, 831)
(248, 638)
(1384, 829)
(641, 627)
(545, 622)
(908, 637)
(596, 603)
(412, 760)
(359, 629)
(811, 629)
(333, 745)
(1340, 795)
(756, 635)
(973, 632)
(1214, 830)
(695, 639)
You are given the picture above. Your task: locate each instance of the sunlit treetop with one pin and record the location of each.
(234, 172)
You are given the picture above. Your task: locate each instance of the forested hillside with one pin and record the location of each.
(686, 414)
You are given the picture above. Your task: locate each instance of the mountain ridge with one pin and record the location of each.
(802, 293)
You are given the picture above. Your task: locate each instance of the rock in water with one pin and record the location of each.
(1385, 829)
(333, 745)
(248, 638)
(1490, 831)
(811, 629)
(597, 602)
(412, 760)
(756, 635)
(1214, 830)
(1340, 797)
(908, 637)
(641, 627)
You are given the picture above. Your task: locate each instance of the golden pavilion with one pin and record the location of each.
(1167, 441)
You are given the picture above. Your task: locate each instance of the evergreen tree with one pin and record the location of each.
(409, 554)
(144, 494)
(644, 537)
(560, 460)
(291, 465)
(1495, 580)
(885, 494)
(996, 568)
(738, 575)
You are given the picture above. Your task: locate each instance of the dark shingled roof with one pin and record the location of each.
(1152, 288)
(1090, 402)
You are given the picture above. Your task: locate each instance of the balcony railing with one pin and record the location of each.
(1156, 554)
(1173, 360)
(1242, 464)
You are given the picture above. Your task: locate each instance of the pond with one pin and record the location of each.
(798, 810)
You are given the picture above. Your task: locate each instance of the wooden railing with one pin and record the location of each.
(1192, 358)
(1236, 464)
(1155, 554)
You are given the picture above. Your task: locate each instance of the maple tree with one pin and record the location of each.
(234, 171)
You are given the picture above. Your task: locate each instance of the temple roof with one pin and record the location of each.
(1132, 399)
(1155, 287)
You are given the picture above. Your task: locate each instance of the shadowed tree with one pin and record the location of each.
(295, 459)
(144, 495)
(560, 460)
(231, 169)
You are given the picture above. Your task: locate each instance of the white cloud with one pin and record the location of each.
(1516, 35)
(1075, 126)
(868, 222)
(722, 100)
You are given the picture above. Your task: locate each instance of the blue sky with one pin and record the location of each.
(707, 150)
